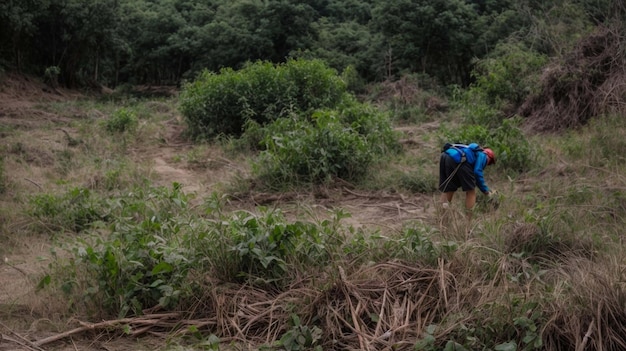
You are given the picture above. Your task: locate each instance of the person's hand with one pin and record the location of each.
(493, 199)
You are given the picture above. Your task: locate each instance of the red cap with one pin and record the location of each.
(491, 157)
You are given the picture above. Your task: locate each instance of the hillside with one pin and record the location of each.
(41, 127)
(380, 267)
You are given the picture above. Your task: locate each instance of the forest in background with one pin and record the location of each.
(78, 43)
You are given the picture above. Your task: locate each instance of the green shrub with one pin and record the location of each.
(313, 152)
(51, 76)
(371, 123)
(271, 250)
(122, 120)
(221, 103)
(339, 143)
(509, 75)
(144, 260)
(75, 211)
(300, 337)
(155, 241)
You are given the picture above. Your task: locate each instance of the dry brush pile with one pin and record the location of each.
(586, 83)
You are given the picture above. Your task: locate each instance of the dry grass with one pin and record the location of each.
(587, 84)
(587, 308)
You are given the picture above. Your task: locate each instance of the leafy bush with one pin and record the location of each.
(339, 143)
(123, 120)
(513, 150)
(313, 152)
(75, 211)
(51, 76)
(155, 242)
(369, 122)
(301, 337)
(271, 250)
(144, 260)
(509, 75)
(220, 103)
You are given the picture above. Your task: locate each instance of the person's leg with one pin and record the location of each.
(470, 202)
(446, 197)
(448, 182)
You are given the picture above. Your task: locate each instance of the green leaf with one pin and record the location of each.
(454, 346)
(45, 281)
(507, 346)
(162, 267)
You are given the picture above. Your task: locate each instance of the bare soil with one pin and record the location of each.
(24, 257)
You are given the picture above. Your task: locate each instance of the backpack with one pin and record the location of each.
(464, 153)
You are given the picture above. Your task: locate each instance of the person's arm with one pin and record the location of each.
(479, 166)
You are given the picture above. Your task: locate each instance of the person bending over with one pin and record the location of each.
(462, 166)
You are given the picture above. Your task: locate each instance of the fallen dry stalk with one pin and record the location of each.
(137, 325)
(375, 307)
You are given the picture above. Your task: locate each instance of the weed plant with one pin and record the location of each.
(123, 120)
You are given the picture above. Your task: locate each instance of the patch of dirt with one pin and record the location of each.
(20, 99)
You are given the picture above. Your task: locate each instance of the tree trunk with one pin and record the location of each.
(95, 74)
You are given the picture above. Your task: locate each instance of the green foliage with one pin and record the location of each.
(155, 241)
(222, 103)
(504, 326)
(513, 150)
(427, 36)
(416, 243)
(51, 75)
(145, 259)
(349, 47)
(300, 337)
(76, 210)
(313, 151)
(507, 76)
(122, 120)
(340, 143)
(270, 249)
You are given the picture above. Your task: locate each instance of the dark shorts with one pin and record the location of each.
(450, 179)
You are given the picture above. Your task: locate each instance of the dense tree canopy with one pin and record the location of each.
(113, 42)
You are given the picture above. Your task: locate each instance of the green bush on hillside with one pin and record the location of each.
(339, 143)
(75, 211)
(221, 103)
(301, 151)
(502, 82)
(122, 120)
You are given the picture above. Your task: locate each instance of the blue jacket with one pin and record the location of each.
(477, 159)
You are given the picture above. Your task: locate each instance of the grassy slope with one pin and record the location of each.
(543, 268)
